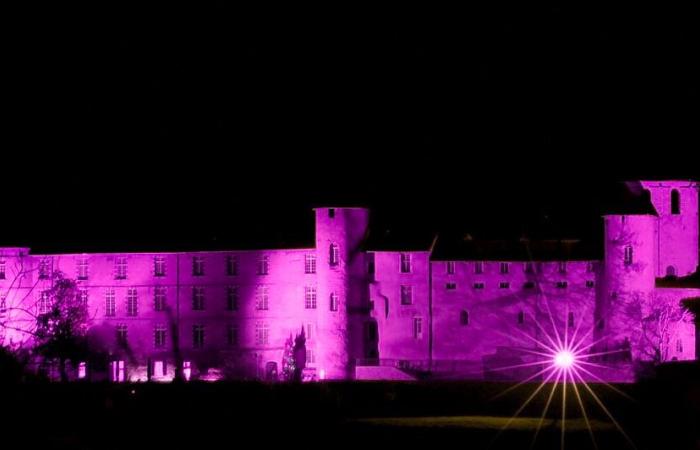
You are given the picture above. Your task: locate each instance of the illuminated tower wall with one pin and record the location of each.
(628, 280)
(676, 203)
(341, 270)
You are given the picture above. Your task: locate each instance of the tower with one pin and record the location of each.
(629, 278)
(676, 203)
(340, 233)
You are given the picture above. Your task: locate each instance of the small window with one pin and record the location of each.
(83, 297)
(197, 298)
(309, 263)
(479, 267)
(529, 285)
(464, 318)
(451, 286)
(82, 370)
(405, 263)
(44, 302)
(82, 266)
(159, 266)
(120, 265)
(562, 284)
(331, 213)
(132, 302)
(504, 268)
(262, 333)
(406, 295)
(197, 336)
(675, 202)
(310, 356)
(110, 303)
(561, 266)
(670, 271)
(450, 267)
(122, 335)
(310, 331)
(197, 266)
(159, 298)
(504, 285)
(333, 255)
(628, 255)
(417, 328)
(679, 346)
(521, 318)
(262, 298)
(263, 265)
(478, 285)
(570, 322)
(310, 297)
(44, 269)
(2, 270)
(232, 265)
(3, 303)
(159, 336)
(334, 300)
(232, 336)
(590, 284)
(232, 298)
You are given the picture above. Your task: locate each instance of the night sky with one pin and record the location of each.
(165, 127)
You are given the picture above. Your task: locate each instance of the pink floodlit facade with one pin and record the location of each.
(372, 314)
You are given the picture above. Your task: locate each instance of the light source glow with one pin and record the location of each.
(564, 359)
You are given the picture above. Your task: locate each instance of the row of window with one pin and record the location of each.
(465, 318)
(262, 299)
(478, 266)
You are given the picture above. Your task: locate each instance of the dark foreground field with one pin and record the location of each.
(660, 415)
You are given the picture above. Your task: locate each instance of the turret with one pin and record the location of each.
(341, 269)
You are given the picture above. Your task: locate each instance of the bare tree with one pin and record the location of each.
(665, 318)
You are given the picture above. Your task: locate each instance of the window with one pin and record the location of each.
(310, 357)
(262, 333)
(122, 335)
(82, 370)
(334, 255)
(232, 265)
(310, 297)
(2, 270)
(417, 328)
(310, 331)
(371, 268)
(118, 371)
(197, 298)
(504, 268)
(478, 285)
(405, 262)
(464, 318)
(159, 369)
(570, 322)
(450, 267)
(263, 265)
(3, 303)
(159, 335)
(334, 302)
(478, 267)
(561, 266)
(309, 263)
(331, 213)
(450, 286)
(406, 295)
(44, 269)
(232, 298)
(675, 202)
(529, 267)
(628, 255)
(197, 266)
(679, 346)
(187, 369)
(44, 302)
(529, 285)
(590, 284)
(232, 336)
(197, 336)
(504, 285)
(83, 297)
(521, 318)
(562, 284)
(82, 266)
(110, 303)
(261, 298)
(120, 268)
(670, 271)
(159, 266)
(159, 298)
(132, 306)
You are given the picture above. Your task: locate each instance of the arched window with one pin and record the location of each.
(333, 255)
(464, 318)
(670, 271)
(521, 317)
(675, 202)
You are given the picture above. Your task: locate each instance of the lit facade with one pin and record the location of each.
(371, 314)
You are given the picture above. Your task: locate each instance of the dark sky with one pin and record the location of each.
(166, 127)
